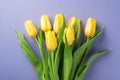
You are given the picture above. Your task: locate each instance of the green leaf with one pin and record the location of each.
(26, 48)
(97, 54)
(67, 64)
(78, 34)
(77, 37)
(37, 65)
(85, 54)
(80, 72)
(58, 54)
(74, 27)
(39, 71)
(98, 33)
(77, 56)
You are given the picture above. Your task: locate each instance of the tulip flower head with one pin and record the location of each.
(45, 23)
(69, 33)
(51, 40)
(73, 21)
(30, 28)
(90, 27)
(58, 23)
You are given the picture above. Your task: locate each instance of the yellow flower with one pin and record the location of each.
(69, 33)
(72, 21)
(51, 40)
(58, 23)
(30, 28)
(90, 27)
(45, 23)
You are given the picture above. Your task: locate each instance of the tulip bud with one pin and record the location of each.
(73, 22)
(30, 28)
(51, 40)
(58, 23)
(90, 27)
(45, 23)
(69, 33)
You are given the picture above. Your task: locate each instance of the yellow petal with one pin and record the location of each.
(71, 22)
(45, 23)
(57, 23)
(77, 22)
(51, 41)
(90, 27)
(30, 28)
(69, 32)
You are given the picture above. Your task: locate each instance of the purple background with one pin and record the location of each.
(13, 13)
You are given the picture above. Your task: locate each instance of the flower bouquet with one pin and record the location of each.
(62, 58)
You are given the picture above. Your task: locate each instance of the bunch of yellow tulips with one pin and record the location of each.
(62, 56)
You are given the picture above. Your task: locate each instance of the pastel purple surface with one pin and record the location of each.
(13, 13)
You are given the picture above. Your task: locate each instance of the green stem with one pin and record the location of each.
(54, 71)
(42, 53)
(50, 65)
(52, 57)
(86, 53)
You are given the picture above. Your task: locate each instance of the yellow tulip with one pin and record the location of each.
(30, 28)
(69, 33)
(45, 23)
(51, 40)
(72, 21)
(58, 23)
(90, 27)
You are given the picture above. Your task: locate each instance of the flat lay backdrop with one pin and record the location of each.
(13, 13)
